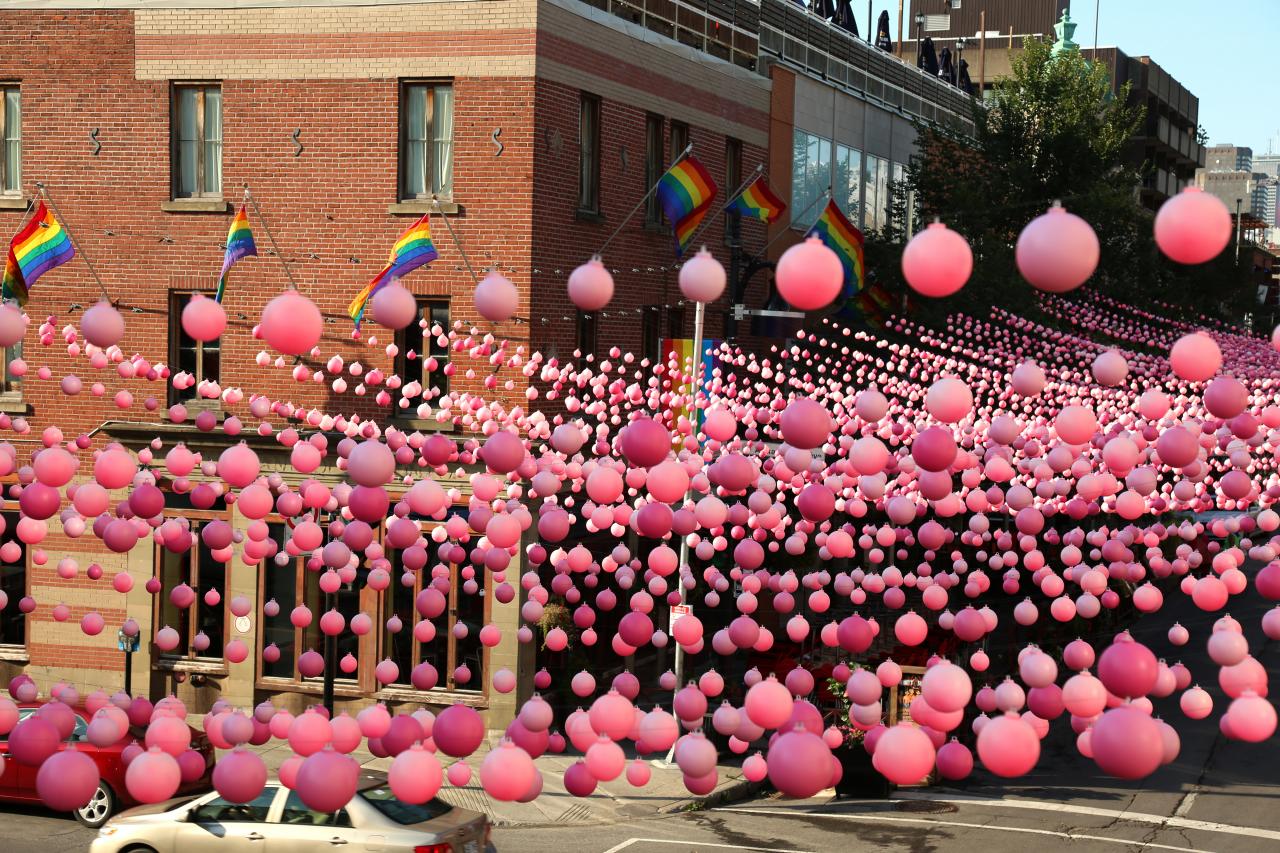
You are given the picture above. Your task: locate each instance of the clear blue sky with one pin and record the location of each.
(1225, 52)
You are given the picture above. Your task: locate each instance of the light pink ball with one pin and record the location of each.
(291, 323)
(1008, 746)
(799, 764)
(240, 776)
(1193, 226)
(702, 278)
(415, 775)
(809, 275)
(1195, 357)
(327, 780)
(1127, 743)
(1057, 251)
(937, 262)
(153, 776)
(904, 754)
(203, 318)
(394, 306)
(67, 780)
(591, 285)
(102, 324)
(496, 298)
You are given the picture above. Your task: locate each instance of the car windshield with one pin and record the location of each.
(404, 813)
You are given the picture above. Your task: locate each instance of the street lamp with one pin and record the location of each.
(919, 26)
(961, 44)
(1239, 202)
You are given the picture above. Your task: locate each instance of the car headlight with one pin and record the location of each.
(109, 829)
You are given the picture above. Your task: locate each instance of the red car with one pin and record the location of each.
(18, 782)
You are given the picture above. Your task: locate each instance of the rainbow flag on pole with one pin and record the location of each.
(846, 241)
(681, 351)
(412, 250)
(41, 245)
(757, 201)
(686, 192)
(239, 245)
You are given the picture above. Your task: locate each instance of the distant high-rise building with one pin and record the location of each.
(1267, 164)
(1228, 158)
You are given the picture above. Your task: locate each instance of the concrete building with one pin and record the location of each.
(1228, 158)
(534, 125)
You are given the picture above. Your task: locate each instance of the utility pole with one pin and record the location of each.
(982, 54)
(1238, 223)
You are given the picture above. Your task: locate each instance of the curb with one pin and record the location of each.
(736, 791)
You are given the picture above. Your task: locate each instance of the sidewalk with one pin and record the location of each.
(611, 801)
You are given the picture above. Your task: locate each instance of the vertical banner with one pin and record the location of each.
(681, 351)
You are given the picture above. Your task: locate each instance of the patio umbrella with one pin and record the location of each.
(844, 17)
(928, 59)
(882, 33)
(966, 83)
(946, 70)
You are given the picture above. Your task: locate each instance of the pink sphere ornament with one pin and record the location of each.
(102, 324)
(1008, 746)
(204, 319)
(153, 776)
(702, 278)
(291, 323)
(239, 776)
(1057, 251)
(904, 754)
(1127, 743)
(394, 306)
(67, 780)
(937, 262)
(1195, 357)
(496, 298)
(327, 780)
(809, 275)
(1193, 226)
(591, 285)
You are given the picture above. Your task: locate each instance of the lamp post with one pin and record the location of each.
(919, 27)
(961, 44)
(1239, 202)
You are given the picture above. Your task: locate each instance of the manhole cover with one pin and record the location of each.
(925, 807)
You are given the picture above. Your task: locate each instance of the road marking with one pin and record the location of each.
(1070, 836)
(1184, 807)
(700, 844)
(1136, 817)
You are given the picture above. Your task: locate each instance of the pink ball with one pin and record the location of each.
(153, 776)
(809, 275)
(946, 687)
(1109, 368)
(806, 423)
(393, 306)
(203, 318)
(798, 764)
(114, 468)
(1027, 379)
(458, 731)
(1127, 743)
(937, 262)
(327, 780)
(415, 775)
(309, 733)
(934, 449)
(904, 754)
(949, 400)
(238, 465)
(291, 323)
(33, 740)
(578, 780)
(1057, 251)
(1193, 226)
(169, 734)
(496, 298)
(503, 452)
(371, 463)
(702, 278)
(1253, 719)
(591, 285)
(1008, 746)
(67, 780)
(12, 325)
(240, 776)
(1128, 669)
(1195, 357)
(1076, 424)
(102, 324)
(955, 761)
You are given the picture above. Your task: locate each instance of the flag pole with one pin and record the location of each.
(688, 148)
(456, 242)
(66, 226)
(274, 248)
(824, 194)
(736, 195)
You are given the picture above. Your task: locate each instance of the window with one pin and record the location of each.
(202, 626)
(895, 187)
(877, 193)
(197, 141)
(426, 140)
(13, 585)
(586, 332)
(650, 332)
(424, 349)
(810, 177)
(405, 814)
(732, 180)
(464, 603)
(675, 321)
(589, 154)
(202, 359)
(219, 810)
(10, 385)
(679, 139)
(296, 813)
(847, 189)
(10, 140)
(653, 161)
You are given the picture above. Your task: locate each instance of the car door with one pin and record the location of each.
(219, 826)
(300, 828)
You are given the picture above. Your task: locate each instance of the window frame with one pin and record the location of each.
(442, 355)
(16, 651)
(179, 296)
(190, 660)
(429, 85)
(802, 200)
(202, 88)
(679, 137)
(14, 191)
(590, 123)
(654, 157)
(732, 179)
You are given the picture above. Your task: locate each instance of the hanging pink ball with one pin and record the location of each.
(1253, 718)
(946, 687)
(102, 324)
(458, 731)
(393, 306)
(904, 754)
(1057, 251)
(591, 285)
(371, 463)
(67, 780)
(806, 423)
(507, 772)
(1076, 424)
(934, 449)
(327, 780)
(12, 325)
(1127, 743)
(639, 774)
(799, 763)
(809, 275)
(937, 262)
(415, 775)
(114, 468)
(503, 452)
(309, 733)
(238, 465)
(768, 703)
(169, 734)
(1027, 379)
(955, 761)
(1195, 357)
(496, 298)
(291, 323)
(152, 777)
(203, 318)
(1128, 669)
(949, 400)
(239, 776)
(702, 278)
(1008, 746)
(578, 780)
(1193, 226)
(1109, 368)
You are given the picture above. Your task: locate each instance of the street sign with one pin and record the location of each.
(678, 610)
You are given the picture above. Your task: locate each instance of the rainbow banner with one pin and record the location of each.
(41, 245)
(686, 192)
(412, 250)
(846, 241)
(875, 304)
(757, 201)
(680, 350)
(239, 245)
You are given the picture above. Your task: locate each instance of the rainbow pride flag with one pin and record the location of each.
(686, 192)
(757, 201)
(681, 351)
(875, 304)
(41, 245)
(412, 250)
(846, 241)
(239, 245)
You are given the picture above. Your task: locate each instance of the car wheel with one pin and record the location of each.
(100, 807)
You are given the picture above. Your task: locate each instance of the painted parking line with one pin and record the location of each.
(699, 845)
(878, 818)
